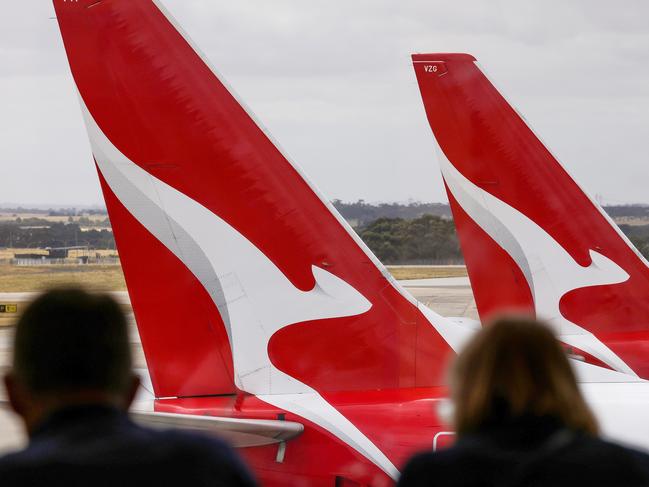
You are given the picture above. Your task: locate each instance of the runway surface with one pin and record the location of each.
(446, 296)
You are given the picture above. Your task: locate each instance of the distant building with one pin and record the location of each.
(55, 255)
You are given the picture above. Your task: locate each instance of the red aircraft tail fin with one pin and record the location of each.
(241, 275)
(531, 238)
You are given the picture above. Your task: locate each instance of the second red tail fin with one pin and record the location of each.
(531, 238)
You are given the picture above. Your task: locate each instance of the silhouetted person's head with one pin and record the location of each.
(70, 348)
(512, 368)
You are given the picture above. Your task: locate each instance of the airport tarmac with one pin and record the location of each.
(447, 296)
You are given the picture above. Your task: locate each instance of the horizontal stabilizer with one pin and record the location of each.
(239, 433)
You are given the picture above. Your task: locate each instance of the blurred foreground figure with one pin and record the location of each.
(72, 384)
(522, 421)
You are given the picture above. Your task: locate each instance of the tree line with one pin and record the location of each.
(639, 236)
(40, 233)
(427, 239)
(362, 213)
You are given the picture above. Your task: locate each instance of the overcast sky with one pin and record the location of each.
(332, 81)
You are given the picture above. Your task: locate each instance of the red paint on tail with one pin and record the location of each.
(491, 145)
(162, 106)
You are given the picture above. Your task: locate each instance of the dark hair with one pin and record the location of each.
(516, 367)
(69, 340)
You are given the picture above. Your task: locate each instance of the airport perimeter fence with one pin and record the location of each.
(426, 263)
(67, 261)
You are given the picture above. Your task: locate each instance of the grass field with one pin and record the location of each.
(110, 277)
(97, 277)
(426, 272)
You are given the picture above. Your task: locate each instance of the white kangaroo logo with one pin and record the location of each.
(254, 297)
(549, 269)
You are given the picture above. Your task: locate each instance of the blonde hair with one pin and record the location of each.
(515, 367)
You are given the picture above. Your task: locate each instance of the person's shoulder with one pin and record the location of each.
(33, 453)
(160, 455)
(596, 446)
(417, 469)
(442, 465)
(197, 445)
(9, 460)
(605, 457)
(15, 467)
(638, 456)
(198, 439)
(205, 454)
